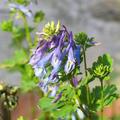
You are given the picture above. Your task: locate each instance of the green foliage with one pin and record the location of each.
(83, 40)
(109, 95)
(21, 41)
(39, 16)
(61, 108)
(22, 2)
(19, 62)
(64, 111)
(6, 25)
(102, 67)
(83, 95)
(45, 103)
(29, 81)
(20, 58)
(19, 34)
(57, 109)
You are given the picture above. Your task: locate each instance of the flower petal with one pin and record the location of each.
(70, 65)
(77, 53)
(75, 81)
(40, 72)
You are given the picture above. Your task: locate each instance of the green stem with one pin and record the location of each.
(87, 86)
(85, 63)
(80, 106)
(85, 68)
(102, 97)
(28, 35)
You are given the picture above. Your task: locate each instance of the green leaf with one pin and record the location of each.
(63, 107)
(19, 34)
(39, 16)
(106, 59)
(95, 97)
(68, 93)
(29, 80)
(7, 25)
(27, 85)
(64, 111)
(109, 95)
(45, 103)
(83, 95)
(89, 78)
(83, 40)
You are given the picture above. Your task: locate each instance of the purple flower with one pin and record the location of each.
(70, 64)
(39, 52)
(45, 59)
(43, 86)
(57, 97)
(39, 68)
(57, 56)
(59, 53)
(55, 41)
(22, 8)
(75, 81)
(39, 72)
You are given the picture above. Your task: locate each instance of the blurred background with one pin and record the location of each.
(98, 18)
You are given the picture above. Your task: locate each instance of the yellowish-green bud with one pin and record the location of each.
(51, 29)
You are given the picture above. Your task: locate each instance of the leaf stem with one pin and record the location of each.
(87, 86)
(28, 36)
(80, 106)
(102, 97)
(85, 63)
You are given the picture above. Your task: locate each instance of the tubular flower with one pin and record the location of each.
(59, 53)
(75, 81)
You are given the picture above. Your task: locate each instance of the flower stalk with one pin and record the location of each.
(87, 86)
(102, 99)
(28, 36)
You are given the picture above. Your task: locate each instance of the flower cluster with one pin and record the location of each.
(26, 11)
(59, 53)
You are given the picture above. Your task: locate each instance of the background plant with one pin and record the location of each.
(22, 22)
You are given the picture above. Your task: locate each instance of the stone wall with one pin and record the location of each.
(99, 18)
